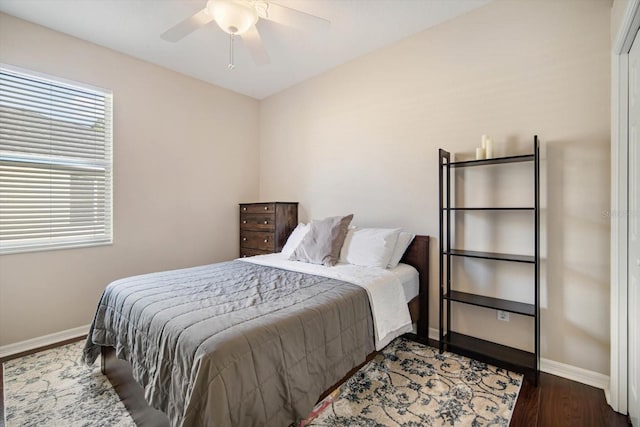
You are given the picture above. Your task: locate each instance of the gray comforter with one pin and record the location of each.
(234, 344)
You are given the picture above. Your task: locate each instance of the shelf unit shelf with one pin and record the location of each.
(496, 354)
(486, 351)
(532, 209)
(492, 255)
(490, 302)
(494, 161)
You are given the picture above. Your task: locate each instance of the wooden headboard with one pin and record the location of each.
(417, 255)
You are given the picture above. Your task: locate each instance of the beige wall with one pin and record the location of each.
(185, 153)
(363, 138)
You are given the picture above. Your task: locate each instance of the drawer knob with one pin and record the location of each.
(266, 208)
(244, 222)
(266, 240)
(244, 239)
(244, 209)
(266, 222)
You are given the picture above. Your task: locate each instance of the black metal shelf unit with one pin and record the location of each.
(489, 352)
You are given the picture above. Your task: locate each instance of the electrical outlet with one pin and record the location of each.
(503, 315)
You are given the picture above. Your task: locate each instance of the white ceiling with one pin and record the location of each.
(134, 27)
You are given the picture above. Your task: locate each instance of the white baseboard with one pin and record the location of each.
(570, 372)
(19, 347)
(434, 334)
(584, 376)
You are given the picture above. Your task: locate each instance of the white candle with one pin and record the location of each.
(488, 148)
(480, 153)
(484, 141)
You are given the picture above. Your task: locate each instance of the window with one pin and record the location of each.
(55, 163)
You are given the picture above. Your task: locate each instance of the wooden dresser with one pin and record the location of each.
(265, 227)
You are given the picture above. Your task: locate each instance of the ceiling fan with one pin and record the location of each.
(238, 17)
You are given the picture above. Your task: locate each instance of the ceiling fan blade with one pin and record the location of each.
(187, 26)
(253, 41)
(294, 18)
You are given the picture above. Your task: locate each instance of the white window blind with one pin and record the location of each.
(55, 163)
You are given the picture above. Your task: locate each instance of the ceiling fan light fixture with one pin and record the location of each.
(233, 16)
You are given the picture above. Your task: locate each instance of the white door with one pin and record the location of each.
(634, 234)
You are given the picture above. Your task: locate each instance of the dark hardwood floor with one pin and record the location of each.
(556, 402)
(560, 402)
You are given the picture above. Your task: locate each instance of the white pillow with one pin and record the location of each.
(369, 247)
(404, 240)
(347, 240)
(294, 239)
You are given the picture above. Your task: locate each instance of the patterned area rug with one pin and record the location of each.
(410, 384)
(54, 388)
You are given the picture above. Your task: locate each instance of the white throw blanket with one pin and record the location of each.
(390, 312)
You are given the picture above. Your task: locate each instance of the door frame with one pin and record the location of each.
(617, 394)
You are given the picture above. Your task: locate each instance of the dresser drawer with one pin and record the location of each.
(261, 240)
(245, 252)
(261, 222)
(254, 208)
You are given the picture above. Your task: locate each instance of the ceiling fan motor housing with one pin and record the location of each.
(233, 16)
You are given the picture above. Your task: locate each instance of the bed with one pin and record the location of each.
(258, 345)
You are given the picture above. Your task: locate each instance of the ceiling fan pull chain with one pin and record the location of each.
(231, 65)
